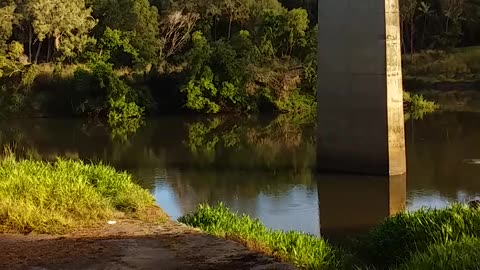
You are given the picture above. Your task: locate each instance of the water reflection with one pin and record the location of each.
(353, 204)
(264, 166)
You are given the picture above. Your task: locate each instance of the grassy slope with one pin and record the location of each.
(305, 251)
(404, 241)
(42, 197)
(459, 68)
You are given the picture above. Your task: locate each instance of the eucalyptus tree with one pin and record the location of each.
(64, 25)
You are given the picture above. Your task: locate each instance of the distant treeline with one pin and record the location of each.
(123, 59)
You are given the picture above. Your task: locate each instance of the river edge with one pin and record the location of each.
(130, 244)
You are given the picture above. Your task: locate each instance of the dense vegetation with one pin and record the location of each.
(427, 239)
(125, 59)
(42, 197)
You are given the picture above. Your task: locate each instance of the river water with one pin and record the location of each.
(264, 166)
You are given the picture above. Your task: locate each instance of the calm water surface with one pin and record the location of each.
(265, 166)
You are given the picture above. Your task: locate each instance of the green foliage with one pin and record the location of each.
(302, 250)
(399, 237)
(201, 142)
(200, 93)
(417, 106)
(137, 17)
(115, 46)
(43, 197)
(7, 20)
(462, 254)
(283, 32)
(66, 22)
(297, 103)
(107, 94)
(124, 117)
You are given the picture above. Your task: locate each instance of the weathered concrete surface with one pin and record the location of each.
(360, 104)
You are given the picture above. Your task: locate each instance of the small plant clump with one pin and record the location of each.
(417, 106)
(43, 197)
(302, 250)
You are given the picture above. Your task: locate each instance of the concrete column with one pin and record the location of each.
(360, 96)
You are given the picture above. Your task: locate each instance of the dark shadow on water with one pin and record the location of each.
(350, 205)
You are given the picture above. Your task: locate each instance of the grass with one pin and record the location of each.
(425, 239)
(462, 254)
(42, 197)
(403, 235)
(431, 69)
(302, 250)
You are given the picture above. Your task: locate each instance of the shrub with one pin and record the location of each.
(417, 106)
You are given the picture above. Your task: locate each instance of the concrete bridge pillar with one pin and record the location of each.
(360, 95)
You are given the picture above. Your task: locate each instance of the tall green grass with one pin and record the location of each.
(302, 250)
(401, 236)
(463, 254)
(425, 239)
(41, 197)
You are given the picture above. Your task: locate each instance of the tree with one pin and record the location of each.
(65, 23)
(176, 29)
(453, 11)
(135, 16)
(235, 11)
(7, 19)
(408, 10)
(427, 12)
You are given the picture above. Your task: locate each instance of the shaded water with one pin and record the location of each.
(265, 166)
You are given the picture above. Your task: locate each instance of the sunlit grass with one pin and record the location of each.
(425, 239)
(463, 254)
(403, 235)
(302, 250)
(41, 197)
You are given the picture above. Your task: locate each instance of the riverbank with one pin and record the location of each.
(130, 244)
(68, 214)
(442, 71)
(425, 239)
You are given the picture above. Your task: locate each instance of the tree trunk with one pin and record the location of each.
(215, 28)
(402, 34)
(38, 52)
(229, 28)
(49, 49)
(412, 28)
(30, 37)
(424, 30)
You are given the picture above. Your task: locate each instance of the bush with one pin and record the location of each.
(401, 236)
(417, 106)
(302, 250)
(463, 255)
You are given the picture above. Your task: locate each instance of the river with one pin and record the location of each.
(264, 166)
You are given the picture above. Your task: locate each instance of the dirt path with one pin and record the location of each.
(130, 245)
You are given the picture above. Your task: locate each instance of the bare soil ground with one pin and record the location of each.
(130, 244)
